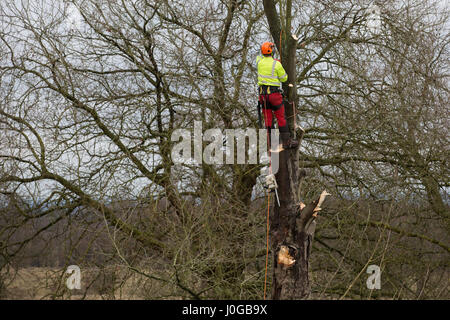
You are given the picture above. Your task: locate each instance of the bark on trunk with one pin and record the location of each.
(292, 224)
(292, 227)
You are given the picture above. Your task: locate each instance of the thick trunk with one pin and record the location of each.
(290, 262)
(292, 282)
(292, 224)
(292, 229)
(434, 196)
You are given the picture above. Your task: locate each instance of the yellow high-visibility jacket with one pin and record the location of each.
(270, 71)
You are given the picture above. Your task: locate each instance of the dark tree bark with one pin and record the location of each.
(292, 224)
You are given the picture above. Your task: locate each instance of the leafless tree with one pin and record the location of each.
(91, 92)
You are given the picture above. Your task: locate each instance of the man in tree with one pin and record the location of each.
(270, 76)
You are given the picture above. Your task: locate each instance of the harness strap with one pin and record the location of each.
(269, 89)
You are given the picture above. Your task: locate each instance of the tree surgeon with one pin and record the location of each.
(270, 76)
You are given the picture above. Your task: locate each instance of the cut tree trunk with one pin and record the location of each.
(292, 227)
(292, 224)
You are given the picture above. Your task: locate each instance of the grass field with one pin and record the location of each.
(50, 283)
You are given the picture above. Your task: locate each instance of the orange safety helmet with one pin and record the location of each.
(267, 47)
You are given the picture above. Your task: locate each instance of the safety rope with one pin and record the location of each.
(270, 172)
(268, 198)
(293, 103)
(267, 244)
(281, 56)
(268, 194)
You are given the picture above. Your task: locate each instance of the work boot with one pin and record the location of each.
(288, 142)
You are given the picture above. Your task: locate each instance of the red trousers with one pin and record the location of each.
(273, 103)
